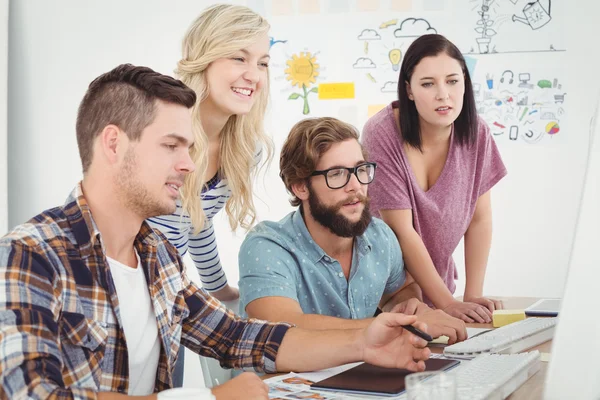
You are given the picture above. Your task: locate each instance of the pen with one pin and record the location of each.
(418, 332)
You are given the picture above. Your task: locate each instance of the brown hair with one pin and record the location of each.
(125, 97)
(308, 140)
(466, 124)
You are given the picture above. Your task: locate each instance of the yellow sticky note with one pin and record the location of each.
(545, 357)
(375, 108)
(505, 317)
(441, 340)
(329, 91)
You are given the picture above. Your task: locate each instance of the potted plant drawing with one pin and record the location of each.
(484, 29)
(302, 71)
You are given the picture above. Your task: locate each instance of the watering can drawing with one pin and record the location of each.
(536, 16)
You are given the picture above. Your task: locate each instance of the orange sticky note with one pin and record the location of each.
(283, 7)
(309, 6)
(375, 108)
(330, 91)
(402, 5)
(368, 5)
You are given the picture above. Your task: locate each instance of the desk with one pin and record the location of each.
(533, 388)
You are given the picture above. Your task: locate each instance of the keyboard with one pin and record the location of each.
(494, 376)
(509, 339)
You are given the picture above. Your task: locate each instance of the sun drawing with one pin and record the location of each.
(302, 71)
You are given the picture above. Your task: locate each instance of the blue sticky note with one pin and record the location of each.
(338, 6)
(433, 5)
(258, 6)
(471, 62)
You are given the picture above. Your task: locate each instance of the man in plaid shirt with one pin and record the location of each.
(95, 304)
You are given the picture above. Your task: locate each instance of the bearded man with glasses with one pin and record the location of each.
(329, 264)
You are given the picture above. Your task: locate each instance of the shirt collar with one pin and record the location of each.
(86, 231)
(313, 250)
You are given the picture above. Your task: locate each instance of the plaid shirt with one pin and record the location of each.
(61, 334)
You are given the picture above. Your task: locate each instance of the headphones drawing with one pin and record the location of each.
(512, 75)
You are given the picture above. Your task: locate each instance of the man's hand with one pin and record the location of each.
(387, 344)
(469, 312)
(247, 386)
(490, 304)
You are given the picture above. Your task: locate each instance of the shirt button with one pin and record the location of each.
(327, 259)
(341, 274)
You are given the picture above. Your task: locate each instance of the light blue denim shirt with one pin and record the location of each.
(281, 259)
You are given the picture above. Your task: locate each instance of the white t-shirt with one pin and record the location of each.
(139, 325)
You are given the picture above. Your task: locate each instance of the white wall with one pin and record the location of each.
(57, 48)
(3, 121)
(55, 51)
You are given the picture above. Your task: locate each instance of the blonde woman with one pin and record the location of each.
(225, 61)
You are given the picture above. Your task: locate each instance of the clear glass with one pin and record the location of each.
(431, 385)
(337, 178)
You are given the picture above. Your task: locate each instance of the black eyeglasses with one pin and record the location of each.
(338, 177)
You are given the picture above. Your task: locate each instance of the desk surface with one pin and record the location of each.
(533, 388)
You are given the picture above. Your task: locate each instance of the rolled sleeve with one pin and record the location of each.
(264, 270)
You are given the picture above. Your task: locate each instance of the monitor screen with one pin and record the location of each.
(575, 360)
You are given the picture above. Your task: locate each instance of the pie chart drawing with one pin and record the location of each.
(552, 128)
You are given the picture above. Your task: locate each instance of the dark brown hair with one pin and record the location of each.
(126, 97)
(305, 145)
(466, 125)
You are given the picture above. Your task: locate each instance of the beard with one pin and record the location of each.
(134, 195)
(332, 219)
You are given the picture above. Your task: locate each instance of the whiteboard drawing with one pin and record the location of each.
(413, 27)
(369, 34)
(273, 42)
(385, 47)
(302, 71)
(536, 16)
(518, 110)
(493, 26)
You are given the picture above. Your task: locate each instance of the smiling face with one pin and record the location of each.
(235, 82)
(153, 169)
(343, 211)
(437, 87)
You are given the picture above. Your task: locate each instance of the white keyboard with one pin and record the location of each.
(494, 376)
(509, 339)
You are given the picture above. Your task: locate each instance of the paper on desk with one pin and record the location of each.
(470, 333)
(318, 376)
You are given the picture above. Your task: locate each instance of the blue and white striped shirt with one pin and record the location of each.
(178, 228)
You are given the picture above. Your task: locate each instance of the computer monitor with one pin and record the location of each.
(525, 77)
(575, 361)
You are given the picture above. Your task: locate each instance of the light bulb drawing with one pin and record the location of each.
(395, 56)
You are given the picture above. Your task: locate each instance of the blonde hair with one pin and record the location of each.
(220, 31)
